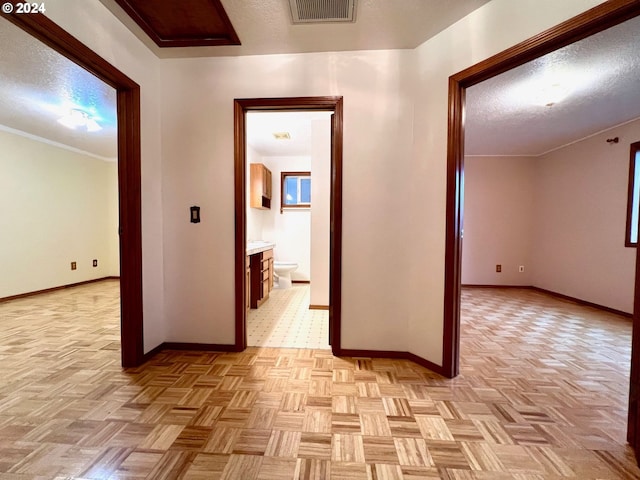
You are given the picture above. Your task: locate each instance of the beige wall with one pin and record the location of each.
(55, 208)
(580, 219)
(197, 144)
(562, 215)
(91, 23)
(395, 131)
(498, 212)
(320, 210)
(486, 31)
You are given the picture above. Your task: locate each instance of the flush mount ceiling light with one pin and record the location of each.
(79, 119)
(282, 136)
(544, 92)
(549, 95)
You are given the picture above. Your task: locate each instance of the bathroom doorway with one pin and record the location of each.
(289, 227)
(304, 231)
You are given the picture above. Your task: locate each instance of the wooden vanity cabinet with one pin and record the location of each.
(261, 277)
(260, 186)
(248, 284)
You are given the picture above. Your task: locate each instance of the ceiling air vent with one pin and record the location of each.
(322, 11)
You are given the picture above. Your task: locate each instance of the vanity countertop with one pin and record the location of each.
(259, 246)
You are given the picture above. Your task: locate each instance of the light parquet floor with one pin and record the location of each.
(542, 395)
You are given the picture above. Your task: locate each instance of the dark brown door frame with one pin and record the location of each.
(129, 180)
(241, 107)
(592, 21)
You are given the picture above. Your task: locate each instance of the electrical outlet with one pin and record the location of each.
(95, 262)
(498, 268)
(74, 265)
(521, 268)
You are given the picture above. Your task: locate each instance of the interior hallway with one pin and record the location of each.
(542, 394)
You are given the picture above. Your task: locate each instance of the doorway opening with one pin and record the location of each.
(129, 181)
(247, 228)
(593, 21)
(288, 184)
(58, 137)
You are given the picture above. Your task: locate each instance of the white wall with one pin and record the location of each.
(91, 23)
(490, 29)
(320, 210)
(290, 230)
(197, 145)
(562, 215)
(394, 174)
(55, 208)
(498, 213)
(113, 218)
(580, 219)
(395, 136)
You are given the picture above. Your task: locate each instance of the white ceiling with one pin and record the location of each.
(265, 27)
(262, 125)
(603, 76)
(37, 85)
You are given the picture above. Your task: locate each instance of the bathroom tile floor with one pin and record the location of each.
(285, 320)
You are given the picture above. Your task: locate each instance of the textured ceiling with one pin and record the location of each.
(265, 27)
(602, 74)
(262, 125)
(38, 86)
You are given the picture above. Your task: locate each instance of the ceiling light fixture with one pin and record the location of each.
(551, 94)
(282, 136)
(77, 118)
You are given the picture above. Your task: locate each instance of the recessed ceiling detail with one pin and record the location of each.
(184, 23)
(266, 26)
(322, 11)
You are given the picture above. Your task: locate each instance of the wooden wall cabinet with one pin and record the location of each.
(261, 273)
(260, 186)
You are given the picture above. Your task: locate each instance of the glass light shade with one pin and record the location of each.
(551, 94)
(78, 118)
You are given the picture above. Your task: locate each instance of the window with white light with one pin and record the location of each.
(633, 201)
(295, 190)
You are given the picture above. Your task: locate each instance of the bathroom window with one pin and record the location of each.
(633, 202)
(295, 191)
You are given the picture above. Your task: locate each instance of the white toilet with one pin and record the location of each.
(282, 272)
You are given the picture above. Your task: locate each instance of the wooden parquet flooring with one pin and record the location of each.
(542, 395)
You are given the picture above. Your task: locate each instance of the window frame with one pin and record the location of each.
(283, 177)
(634, 157)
